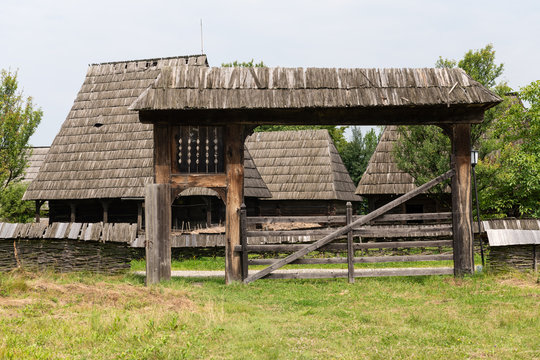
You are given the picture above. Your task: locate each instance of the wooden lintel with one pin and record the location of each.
(199, 180)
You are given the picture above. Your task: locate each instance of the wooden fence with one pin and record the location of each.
(374, 226)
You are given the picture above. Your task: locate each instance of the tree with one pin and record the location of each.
(12, 207)
(509, 177)
(357, 152)
(18, 121)
(424, 151)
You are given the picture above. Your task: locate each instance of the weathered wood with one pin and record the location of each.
(357, 260)
(284, 248)
(139, 215)
(243, 240)
(374, 214)
(162, 156)
(340, 219)
(536, 257)
(73, 211)
(405, 231)
(199, 180)
(234, 162)
(363, 273)
(350, 249)
(305, 232)
(158, 227)
(461, 200)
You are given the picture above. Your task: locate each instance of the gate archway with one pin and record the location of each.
(233, 101)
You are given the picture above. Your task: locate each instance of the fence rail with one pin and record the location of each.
(367, 226)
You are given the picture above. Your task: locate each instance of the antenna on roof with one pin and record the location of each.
(202, 48)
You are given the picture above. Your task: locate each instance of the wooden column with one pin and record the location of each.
(461, 200)
(158, 229)
(350, 248)
(105, 205)
(234, 162)
(73, 212)
(39, 203)
(139, 215)
(157, 204)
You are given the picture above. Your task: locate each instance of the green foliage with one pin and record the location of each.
(12, 207)
(244, 64)
(509, 176)
(18, 121)
(357, 152)
(423, 152)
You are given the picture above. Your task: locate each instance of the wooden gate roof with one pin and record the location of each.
(314, 96)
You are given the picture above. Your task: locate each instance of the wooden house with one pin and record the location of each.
(383, 181)
(303, 171)
(102, 157)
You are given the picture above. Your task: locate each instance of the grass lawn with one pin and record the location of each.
(85, 316)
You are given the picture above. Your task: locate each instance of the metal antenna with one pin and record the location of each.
(202, 48)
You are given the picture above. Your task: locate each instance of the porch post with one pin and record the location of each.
(234, 160)
(157, 204)
(158, 228)
(461, 200)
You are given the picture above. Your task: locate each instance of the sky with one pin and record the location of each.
(51, 43)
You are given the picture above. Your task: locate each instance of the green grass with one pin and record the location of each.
(85, 316)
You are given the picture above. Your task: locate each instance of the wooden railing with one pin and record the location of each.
(370, 226)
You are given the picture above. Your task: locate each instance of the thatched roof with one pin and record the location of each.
(102, 150)
(301, 165)
(35, 160)
(382, 175)
(188, 88)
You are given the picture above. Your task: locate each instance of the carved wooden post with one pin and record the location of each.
(39, 203)
(461, 200)
(243, 240)
(234, 160)
(158, 228)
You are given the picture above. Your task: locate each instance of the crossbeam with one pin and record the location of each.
(344, 230)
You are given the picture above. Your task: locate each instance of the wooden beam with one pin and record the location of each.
(350, 248)
(199, 180)
(39, 203)
(234, 163)
(342, 231)
(158, 230)
(461, 200)
(358, 260)
(343, 247)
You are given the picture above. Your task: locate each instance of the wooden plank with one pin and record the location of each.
(243, 240)
(350, 250)
(406, 231)
(200, 180)
(461, 200)
(342, 219)
(359, 260)
(299, 274)
(306, 232)
(158, 227)
(296, 219)
(413, 217)
(374, 214)
(343, 247)
(74, 231)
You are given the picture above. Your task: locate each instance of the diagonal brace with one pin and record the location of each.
(344, 230)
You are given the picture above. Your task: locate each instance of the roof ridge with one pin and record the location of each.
(149, 59)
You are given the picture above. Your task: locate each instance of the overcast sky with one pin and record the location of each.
(51, 43)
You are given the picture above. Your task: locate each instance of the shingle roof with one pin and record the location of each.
(382, 175)
(301, 165)
(184, 87)
(36, 159)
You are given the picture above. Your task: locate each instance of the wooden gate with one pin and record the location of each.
(354, 226)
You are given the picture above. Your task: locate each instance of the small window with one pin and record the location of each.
(200, 149)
